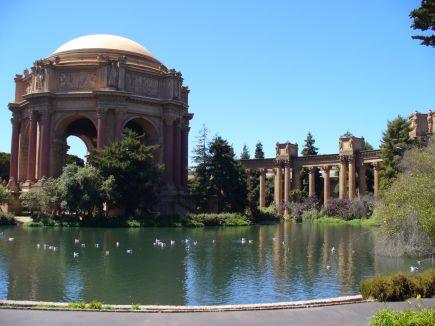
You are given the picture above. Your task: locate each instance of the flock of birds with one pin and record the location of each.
(161, 244)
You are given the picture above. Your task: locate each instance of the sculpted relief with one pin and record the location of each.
(76, 80)
(139, 84)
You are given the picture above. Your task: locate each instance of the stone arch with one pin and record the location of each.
(79, 125)
(143, 127)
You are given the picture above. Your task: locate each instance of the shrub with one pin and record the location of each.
(7, 219)
(340, 208)
(5, 195)
(212, 219)
(407, 317)
(95, 305)
(311, 215)
(77, 305)
(310, 203)
(31, 200)
(362, 207)
(265, 214)
(133, 223)
(135, 307)
(399, 286)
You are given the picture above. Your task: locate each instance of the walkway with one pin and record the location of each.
(349, 314)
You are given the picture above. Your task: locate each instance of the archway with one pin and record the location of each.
(144, 129)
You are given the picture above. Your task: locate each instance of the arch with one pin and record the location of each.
(143, 127)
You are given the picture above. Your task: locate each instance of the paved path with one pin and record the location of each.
(350, 314)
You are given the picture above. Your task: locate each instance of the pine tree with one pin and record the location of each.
(424, 19)
(259, 153)
(245, 153)
(395, 141)
(309, 149)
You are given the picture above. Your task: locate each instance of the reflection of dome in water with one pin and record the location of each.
(106, 42)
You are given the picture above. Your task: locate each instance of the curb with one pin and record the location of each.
(63, 306)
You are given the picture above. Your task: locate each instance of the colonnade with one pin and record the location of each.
(288, 178)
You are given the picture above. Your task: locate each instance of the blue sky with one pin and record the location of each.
(264, 70)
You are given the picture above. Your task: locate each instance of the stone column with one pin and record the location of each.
(286, 183)
(119, 124)
(185, 156)
(278, 189)
(262, 195)
(352, 184)
(31, 152)
(326, 185)
(101, 128)
(15, 148)
(296, 179)
(343, 174)
(168, 142)
(376, 168)
(362, 180)
(177, 154)
(44, 143)
(312, 181)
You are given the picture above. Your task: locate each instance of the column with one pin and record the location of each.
(352, 184)
(326, 185)
(376, 168)
(15, 148)
(362, 180)
(262, 195)
(185, 156)
(278, 190)
(343, 174)
(45, 144)
(168, 143)
(312, 181)
(286, 183)
(31, 152)
(249, 185)
(177, 154)
(119, 125)
(101, 127)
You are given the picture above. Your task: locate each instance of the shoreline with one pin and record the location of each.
(64, 306)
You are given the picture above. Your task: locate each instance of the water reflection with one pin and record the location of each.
(284, 262)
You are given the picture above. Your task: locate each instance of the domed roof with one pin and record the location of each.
(106, 42)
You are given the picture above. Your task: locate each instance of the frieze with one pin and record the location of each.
(76, 80)
(142, 85)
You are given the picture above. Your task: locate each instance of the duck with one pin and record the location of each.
(38, 246)
(243, 240)
(172, 242)
(328, 267)
(107, 253)
(250, 241)
(83, 245)
(75, 254)
(97, 245)
(76, 241)
(117, 243)
(413, 269)
(11, 239)
(332, 250)
(129, 251)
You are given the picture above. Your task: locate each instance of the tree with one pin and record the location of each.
(5, 195)
(395, 141)
(259, 153)
(199, 185)
(245, 153)
(137, 176)
(309, 149)
(74, 159)
(51, 196)
(31, 200)
(424, 19)
(369, 170)
(227, 177)
(4, 166)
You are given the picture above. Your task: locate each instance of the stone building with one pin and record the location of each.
(93, 87)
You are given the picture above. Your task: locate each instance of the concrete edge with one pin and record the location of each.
(63, 306)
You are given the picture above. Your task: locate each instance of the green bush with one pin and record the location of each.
(218, 219)
(404, 318)
(7, 219)
(311, 215)
(133, 223)
(5, 195)
(97, 305)
(77, 305)
(399, 286)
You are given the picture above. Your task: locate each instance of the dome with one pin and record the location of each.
(106, 42)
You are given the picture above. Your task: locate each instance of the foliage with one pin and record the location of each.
(395, 142)
(77, 305)
(362, 207)
(310, 203)
(309, 149)
(339, 207)
(5, 195)
(400, 286)
(227, 177)
(311, 215)
(4, 166)
(31, 200)
(95, 305)
(211, 219)
(135, 307)
(74, 159)
(259, 153)
(424, 19)
(404, 318)
(137, 176)
(7, 219)
(245, 153)
(407, 207)
(51, 196)
(266, 214)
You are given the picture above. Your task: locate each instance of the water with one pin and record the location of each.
(291, 267)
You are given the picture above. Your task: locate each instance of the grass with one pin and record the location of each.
(399, 286)
(354, 222)
(135, 307)
(403, 318)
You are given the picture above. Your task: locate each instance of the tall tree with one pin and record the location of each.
(309, 149)
(137, 175)
(199, 185)
(4, 166)
(369, 170)
(245, 153)
(395, 141)
(259, 153)
(424, 20)
(227, 177)
(74, 159)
